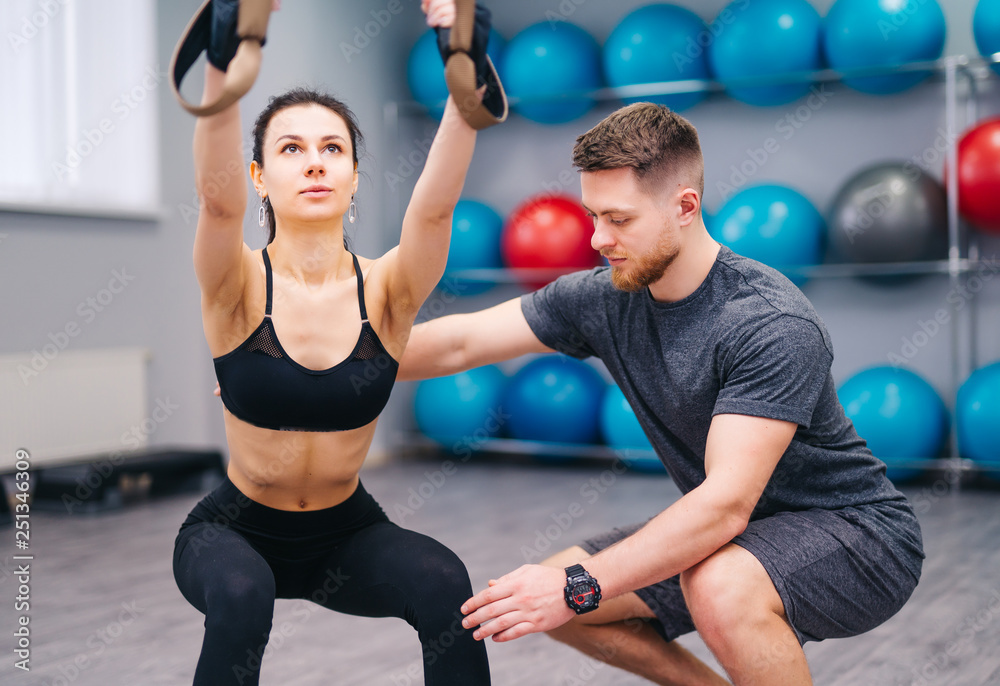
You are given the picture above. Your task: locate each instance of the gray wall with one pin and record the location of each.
(48, 265)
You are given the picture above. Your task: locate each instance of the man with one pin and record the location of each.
(788, 530)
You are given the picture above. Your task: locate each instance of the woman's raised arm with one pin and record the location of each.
(418, 263)
(219, 250)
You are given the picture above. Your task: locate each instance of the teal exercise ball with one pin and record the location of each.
(543, 67)
(555, 398)
(881, 33)
(978, 417)
(621, 430)
(425, 70)
(658, 43)
(898, 414)
(986, 29)
(772, 224)
(766, 38)
(463, 407)
(475, 244)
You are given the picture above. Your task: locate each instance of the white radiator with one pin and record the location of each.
(72, 407)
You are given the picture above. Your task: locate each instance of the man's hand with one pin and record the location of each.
(527, 600)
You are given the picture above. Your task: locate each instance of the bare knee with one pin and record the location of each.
(729, 591)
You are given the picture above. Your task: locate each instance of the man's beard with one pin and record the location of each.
(645, 270)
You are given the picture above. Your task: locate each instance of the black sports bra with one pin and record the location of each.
(265, 387)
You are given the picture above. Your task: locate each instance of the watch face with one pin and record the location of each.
(583, 595)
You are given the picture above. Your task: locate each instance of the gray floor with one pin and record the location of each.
(105, 610)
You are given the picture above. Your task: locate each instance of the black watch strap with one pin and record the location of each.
(576, 575)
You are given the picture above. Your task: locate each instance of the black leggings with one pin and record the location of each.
(234, 556)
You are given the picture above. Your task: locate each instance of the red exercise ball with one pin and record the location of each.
(979, 175)
(551, 232)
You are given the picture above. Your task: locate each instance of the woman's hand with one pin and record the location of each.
(440, 13)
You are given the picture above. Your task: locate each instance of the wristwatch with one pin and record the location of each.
(582, 590)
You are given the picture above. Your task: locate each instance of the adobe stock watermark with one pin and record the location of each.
(87, 311)
(955, 301)
(601, 655)
(133, 439)
(447, 291)
(563, 11)
(786, 127)
(97, 643)
(433, 651)
(566, 179)
(696, 45)
(929, 496)
(932, 156)
(966, 632)
(273, 641)
(434, 481)
(364, 34)
(217, 181)
(777, 652)
(409, 164)
(293, 447)
(91, 138)
(205, 538)
(878, 199)
(590, 492)
(413, 162)
(31, 24)
(888, 27)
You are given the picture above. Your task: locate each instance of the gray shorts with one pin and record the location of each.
(834, 572)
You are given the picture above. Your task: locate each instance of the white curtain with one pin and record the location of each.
(79, 85)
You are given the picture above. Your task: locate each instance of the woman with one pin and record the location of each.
(305, 337)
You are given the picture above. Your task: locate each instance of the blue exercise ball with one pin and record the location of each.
(772, 224)
(546, 61)
(899, 415)
(621, 430)
(986, 28)
(978, 416)
(475, 244)
(461, 407)
(425, 71)
(765, 38)
(555, 398)
(658, 43)
(875, 33)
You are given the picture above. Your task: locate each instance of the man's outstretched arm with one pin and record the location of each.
(452, 344)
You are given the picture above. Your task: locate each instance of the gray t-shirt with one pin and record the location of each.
(745, 342)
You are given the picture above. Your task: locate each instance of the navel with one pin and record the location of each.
(302, 504)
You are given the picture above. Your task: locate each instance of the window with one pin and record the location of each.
(78, 114)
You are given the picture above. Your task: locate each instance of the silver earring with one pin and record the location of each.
(352, 211)
(261, 215)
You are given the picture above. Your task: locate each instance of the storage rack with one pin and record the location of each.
(963, 257)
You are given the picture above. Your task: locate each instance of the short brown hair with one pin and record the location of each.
(653, 141)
